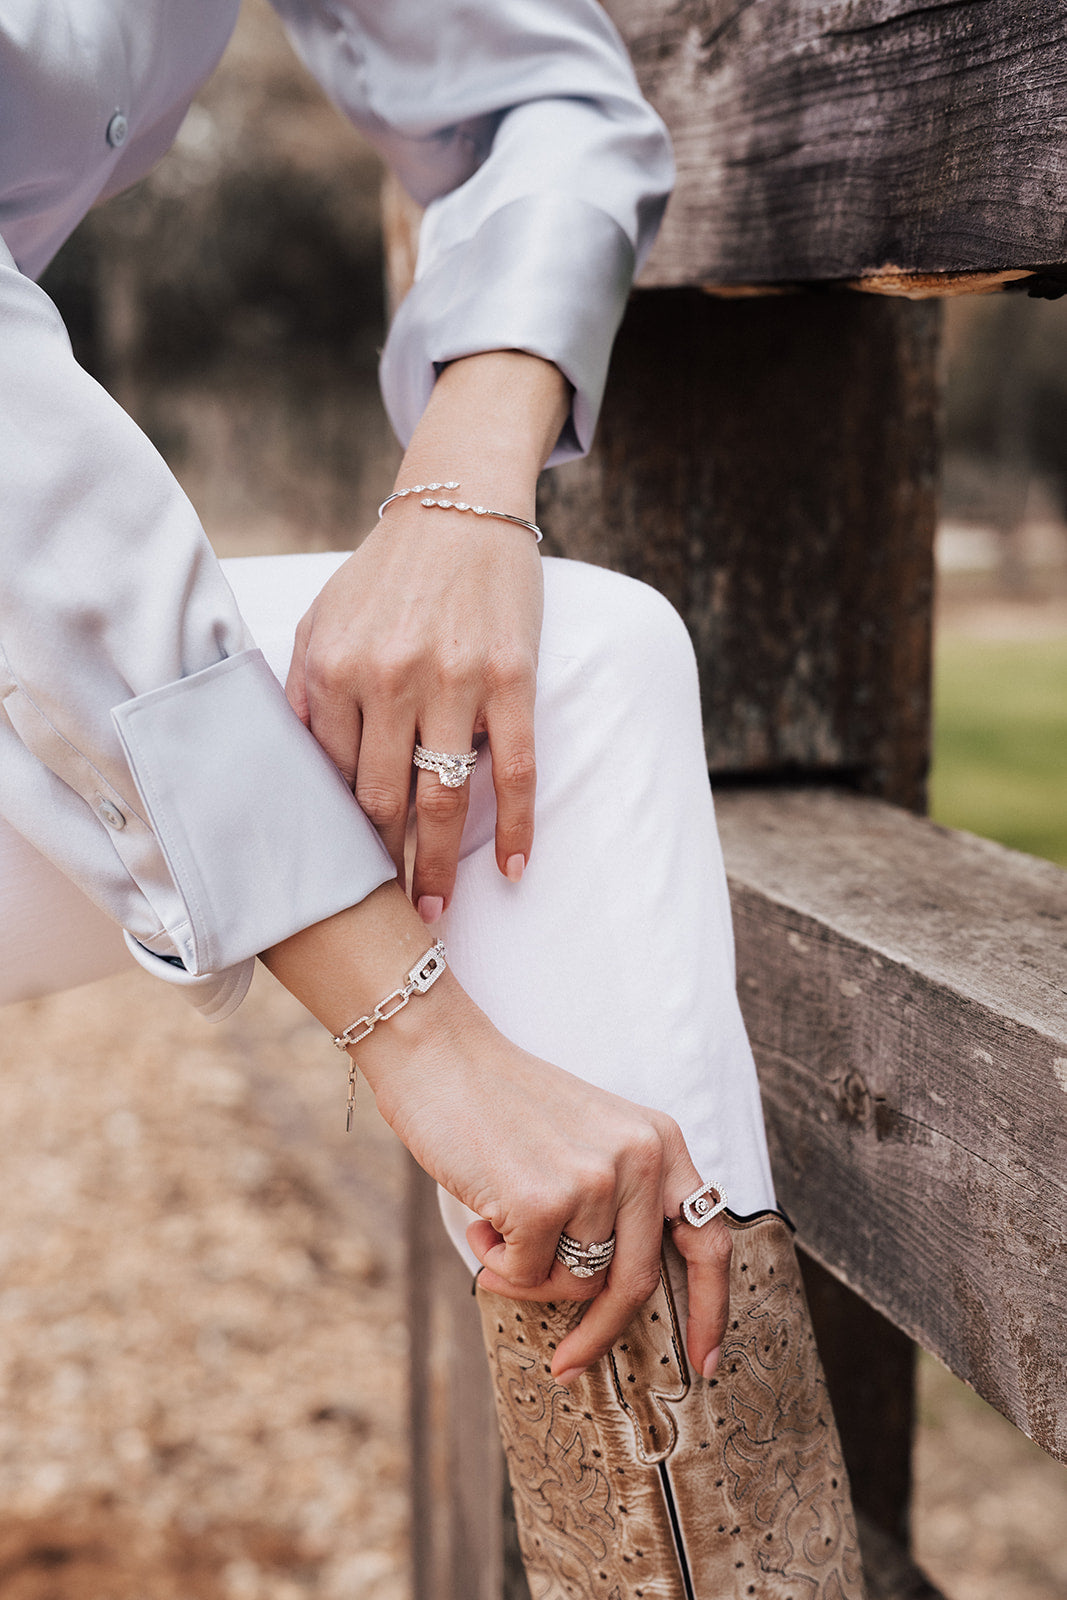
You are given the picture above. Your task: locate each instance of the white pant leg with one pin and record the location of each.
(614, 955)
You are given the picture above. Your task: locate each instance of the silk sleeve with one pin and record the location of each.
(520, 126)
(145, 746)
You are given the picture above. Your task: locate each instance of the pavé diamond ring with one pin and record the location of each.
(699, 1207)
(453, 771)
(584, 1261)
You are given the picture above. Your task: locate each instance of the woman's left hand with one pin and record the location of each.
(430, 632)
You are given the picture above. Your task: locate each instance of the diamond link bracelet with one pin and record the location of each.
(423, 975)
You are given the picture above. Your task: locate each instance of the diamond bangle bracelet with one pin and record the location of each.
(429, 489)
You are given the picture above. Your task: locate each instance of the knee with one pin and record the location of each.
(639, 636)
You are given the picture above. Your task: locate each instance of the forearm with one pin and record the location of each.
(492, 422)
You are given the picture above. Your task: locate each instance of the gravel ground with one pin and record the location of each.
(202, 1342)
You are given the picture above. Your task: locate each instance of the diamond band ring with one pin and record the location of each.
(584, 1261)
(699, 1207)
(453, 771)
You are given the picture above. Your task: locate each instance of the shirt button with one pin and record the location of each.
(118, 130)
(111, 815)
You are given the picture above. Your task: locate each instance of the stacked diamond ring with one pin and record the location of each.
(453, 771)
(584, 1261)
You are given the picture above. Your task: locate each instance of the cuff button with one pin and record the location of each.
(117, 131)
(111, 815)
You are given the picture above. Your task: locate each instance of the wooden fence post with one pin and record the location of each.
(771, 466)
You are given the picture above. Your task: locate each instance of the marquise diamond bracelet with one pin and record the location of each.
(429, 489)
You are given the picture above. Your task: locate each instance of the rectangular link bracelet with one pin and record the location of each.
(423, 975)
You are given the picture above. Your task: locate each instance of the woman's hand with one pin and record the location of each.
(530, 1148)
(536, 1152)
(429, 633)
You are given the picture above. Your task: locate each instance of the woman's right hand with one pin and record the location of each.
(531, 1149)
(536, 1152)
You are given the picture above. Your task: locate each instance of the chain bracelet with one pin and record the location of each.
(423, 975)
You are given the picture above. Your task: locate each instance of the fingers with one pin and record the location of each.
(440, 812)
(507, 696)
(383, 777)
(634, 1271)
(296, 681)
(526, 1268)
(510, 720)
(631, 1278)
(707, 1253)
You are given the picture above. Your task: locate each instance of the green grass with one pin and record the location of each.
(1000, 741)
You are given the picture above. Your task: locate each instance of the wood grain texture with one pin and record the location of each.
(458, 1530)
(832, 139)
(905, 989)
(771, 466)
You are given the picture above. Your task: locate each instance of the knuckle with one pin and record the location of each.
(510, 673)
(454, 671)
(720, 1248)
(517, 769)
(386, 808)
(571, 1289)
(646, 1150)
(436, 802)
(595, 1183)
(525, 1278)
(542, 1207)
(390, 669)
(328, 674)
(640, 1283)
(435, 874)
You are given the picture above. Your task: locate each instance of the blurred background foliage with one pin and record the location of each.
(233, 303)
(1000, 749)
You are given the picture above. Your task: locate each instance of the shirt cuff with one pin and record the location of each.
(548, 274)
(260, 834)
(216, 995)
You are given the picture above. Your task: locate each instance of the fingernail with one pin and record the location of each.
(568, 1377)
(712, 1361)
(430, 907)
(514, 867)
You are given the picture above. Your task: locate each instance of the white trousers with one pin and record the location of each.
(614, 955)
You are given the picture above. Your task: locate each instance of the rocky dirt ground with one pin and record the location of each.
(202, 1331)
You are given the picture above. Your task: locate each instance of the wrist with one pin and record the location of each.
(491, 422)
(343, 967)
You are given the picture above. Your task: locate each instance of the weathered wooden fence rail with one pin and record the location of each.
(771, 464)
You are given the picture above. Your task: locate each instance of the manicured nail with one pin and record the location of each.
(430, 907)
(712, 1362)
(569, 1377)
(514, 867)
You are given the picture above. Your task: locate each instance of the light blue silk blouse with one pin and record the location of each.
(145, 747)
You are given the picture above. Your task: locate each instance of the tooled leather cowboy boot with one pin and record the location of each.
(646, 1482)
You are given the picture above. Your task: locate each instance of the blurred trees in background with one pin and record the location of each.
(1006, 428)
(233, 302)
